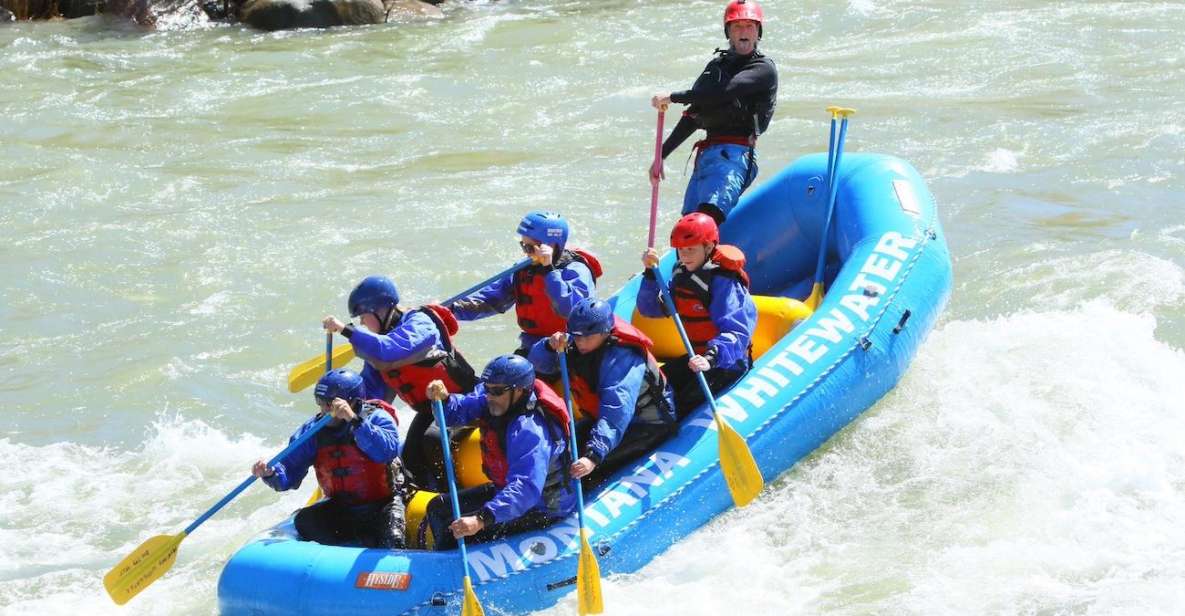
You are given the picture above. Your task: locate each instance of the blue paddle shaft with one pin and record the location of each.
(438, 412)
(481, 285)
(831, 153)
(572, 434)
(300, 440)
(832, 189)
(666, 298)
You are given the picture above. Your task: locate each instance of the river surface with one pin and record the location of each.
(178, 210)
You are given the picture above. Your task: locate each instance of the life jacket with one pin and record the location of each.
(746, 116)
(345, 473)
(493, 432)
(536, 315)
(585, 371)
(692, 292)
(410, 381)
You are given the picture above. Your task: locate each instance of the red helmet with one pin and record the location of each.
(740, 9)
(694, 229)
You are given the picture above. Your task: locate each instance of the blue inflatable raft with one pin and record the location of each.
(890, 276)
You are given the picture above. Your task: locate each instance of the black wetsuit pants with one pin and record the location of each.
(440, 514)
(688, 394)
(373, 525)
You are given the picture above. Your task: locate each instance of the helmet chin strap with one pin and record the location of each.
(388, 321)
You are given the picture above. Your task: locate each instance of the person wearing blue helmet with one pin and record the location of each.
(404, 351)
(354, 458)
(544, 292)
(616, 384)
(524, 431)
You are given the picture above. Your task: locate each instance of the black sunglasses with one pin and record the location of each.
(497, 390)
(528, 248)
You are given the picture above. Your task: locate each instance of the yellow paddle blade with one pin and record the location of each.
(816, 297)
(316, 496)
(740, 469)
(313, 369)
(471, 607)
(588, 579)
(142, 567)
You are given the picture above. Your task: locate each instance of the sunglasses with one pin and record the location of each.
(528, 248)
(497, 390)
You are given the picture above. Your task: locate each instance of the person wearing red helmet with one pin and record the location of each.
(733, 101)
(711, 293)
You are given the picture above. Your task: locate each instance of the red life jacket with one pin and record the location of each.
(536, 315)
(585, 373)
(493, 440)
(410, 381)
(345, 473)
(692, 292)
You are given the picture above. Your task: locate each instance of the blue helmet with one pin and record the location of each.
(373, 294)
(545, 228)
(340, 383)
(590, 316)
(513, 370)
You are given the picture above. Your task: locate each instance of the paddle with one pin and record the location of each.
(470, 607)
(317, 494)
(588, 571)
(306, 373)
(736, 461)
(156, 556)
(816, 296)
(655, 181)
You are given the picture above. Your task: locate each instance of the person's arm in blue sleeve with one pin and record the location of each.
(543, 358)
(292, 468)
(378, 437)
(567, 286)
(409, 342)
(622, 372)
(735, 316)
(527, 454)
(495, 298)
(649, 299)
(373, 385)
(464, 409)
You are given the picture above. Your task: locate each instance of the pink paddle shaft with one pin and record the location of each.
(655, 183)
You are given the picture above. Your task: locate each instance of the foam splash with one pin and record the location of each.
(73, 511)
(1001, 160)
(1029, 463)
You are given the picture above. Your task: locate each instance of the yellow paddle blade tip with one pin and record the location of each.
(310, 371)
(815, 298)
(142, 567)
(471, 607)
(736, 462)
(588, 579)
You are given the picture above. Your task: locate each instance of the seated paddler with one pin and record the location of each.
(524, 431)
(354, 458)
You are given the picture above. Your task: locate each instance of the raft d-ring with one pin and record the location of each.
(901, 324)
(438, 600)
(603, 549)
(865, 343)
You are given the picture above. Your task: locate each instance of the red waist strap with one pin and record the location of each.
(725, 139)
